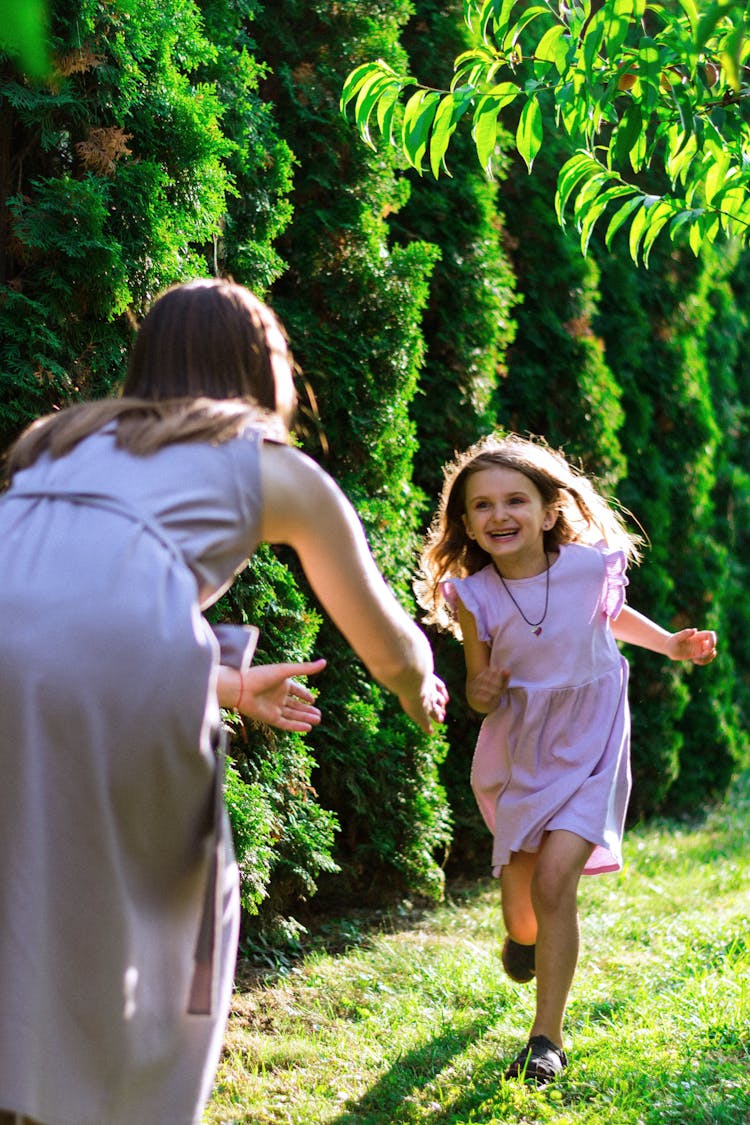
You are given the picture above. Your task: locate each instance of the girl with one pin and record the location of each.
(124, 519)
(526, 562)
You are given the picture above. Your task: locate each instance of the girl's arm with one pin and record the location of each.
(304, 508)
(698, 645)
(485, 686)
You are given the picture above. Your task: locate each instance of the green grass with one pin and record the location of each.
(415, 1020)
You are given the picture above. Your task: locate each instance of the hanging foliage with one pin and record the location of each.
(648, 93)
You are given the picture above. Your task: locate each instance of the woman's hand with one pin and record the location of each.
(431, 705)
(270, 694)
(698, 645)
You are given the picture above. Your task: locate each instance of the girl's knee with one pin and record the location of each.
(554, 887)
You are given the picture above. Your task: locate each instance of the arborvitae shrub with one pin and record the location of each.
(656, 323)
(467, 326)
(353, 307)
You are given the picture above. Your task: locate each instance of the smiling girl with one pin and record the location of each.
(526, 562)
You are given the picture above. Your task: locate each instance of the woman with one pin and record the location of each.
(123, 520)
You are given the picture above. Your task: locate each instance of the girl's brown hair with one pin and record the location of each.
(583, 515)
(200, 369)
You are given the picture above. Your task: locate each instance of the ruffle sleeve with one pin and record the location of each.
(615, 580)
(236, 644)
(464, 588)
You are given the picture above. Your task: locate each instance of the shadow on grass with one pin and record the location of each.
(424, 1076)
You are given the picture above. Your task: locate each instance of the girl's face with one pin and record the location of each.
(506, 516)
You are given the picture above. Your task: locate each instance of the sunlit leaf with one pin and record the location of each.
(592, 42)
(730, 58)
(419, 114)
(367, 99)
(553, 47)
(627, 133)
(691, 11)
(619, 217)
(572, 172)
(657, 217)
(449, 111)
(695, 237)
(530, 132)
(597, 209)
(648, 72)
(484, 128)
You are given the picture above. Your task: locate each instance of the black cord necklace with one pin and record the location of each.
(536, 626)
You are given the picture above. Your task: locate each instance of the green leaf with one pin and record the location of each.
(472, 66)
(514, 34)
(648, 72)
(484, 126)
(367, 72)
(367, 99)
(730, 57)
(637, 230)
(695, 237)
(620, 217)
(553, 47)
(448, 114)
(637, 154)
(716, 176)
(571, 173)
(709, 19)
(679, 154)
(385, 111)
(681, 219)
(419, 113)
(592, 212)
(619, 19)
(627, 132)
(657, 217)
(592, 41)
(484, 132)
(495, 13)
(530, 132)
(691, 11)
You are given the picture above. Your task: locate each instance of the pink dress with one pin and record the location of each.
(555, 754)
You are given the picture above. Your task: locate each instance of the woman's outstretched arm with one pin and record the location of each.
(270, 694)
(304, 508)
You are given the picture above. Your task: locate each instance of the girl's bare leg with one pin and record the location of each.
(518, 910)
(554, 898)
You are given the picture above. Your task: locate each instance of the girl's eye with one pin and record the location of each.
(517, 499)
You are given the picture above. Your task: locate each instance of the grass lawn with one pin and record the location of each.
(415, 1020)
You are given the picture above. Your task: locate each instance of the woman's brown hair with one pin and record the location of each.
(200, 369)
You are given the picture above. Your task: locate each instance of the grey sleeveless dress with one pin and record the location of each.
(116, 949)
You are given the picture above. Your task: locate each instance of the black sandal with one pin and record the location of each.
(540, 1061)
(519, 961)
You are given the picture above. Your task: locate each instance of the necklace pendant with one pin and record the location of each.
(538, 631)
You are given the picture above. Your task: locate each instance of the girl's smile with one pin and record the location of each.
(506, 516)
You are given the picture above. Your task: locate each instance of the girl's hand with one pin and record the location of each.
(486, 689)
(271, 695)
(698, 645)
